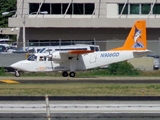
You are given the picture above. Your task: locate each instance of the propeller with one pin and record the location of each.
(50, 55)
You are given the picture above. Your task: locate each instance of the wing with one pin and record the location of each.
(71, 57)
(60, 56)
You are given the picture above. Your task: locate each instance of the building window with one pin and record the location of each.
(60, 8)
(64, 8)
(134, 8)
(125, 10)
(139, 9)
(58, 42)
(145, 8)
(44, 43)
(156, 9)
(33, 8)
(34, 43)
(78, 8)
(89, 8)
(45, 7)
(56, 9)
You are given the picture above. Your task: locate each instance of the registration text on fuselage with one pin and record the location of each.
(108, 54)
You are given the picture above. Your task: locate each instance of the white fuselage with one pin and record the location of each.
(81, 62)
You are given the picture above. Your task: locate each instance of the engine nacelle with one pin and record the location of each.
(56, 56)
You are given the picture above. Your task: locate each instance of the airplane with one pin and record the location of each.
(69, 61)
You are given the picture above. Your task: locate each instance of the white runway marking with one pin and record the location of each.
(81, 107)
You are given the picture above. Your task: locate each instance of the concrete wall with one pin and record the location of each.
(80, 22)
(9, 31)
(7, 59)
(144, 63)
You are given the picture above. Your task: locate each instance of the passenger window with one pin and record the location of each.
(97, 49)
(41, 58)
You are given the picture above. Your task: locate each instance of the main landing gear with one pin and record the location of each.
(71, 74)
(17, 73)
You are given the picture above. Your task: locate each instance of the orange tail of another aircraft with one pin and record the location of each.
(136, 39)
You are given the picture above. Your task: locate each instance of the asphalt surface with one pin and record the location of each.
(79, 80)
(80, 110)
(84, 78)
(114, 110)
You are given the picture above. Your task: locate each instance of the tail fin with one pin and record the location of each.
(136, 39)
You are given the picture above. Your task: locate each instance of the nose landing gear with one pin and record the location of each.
(17, 73)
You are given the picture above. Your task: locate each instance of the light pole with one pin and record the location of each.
(24, 31)
(24, 28)
(24, 34)
(6, 13)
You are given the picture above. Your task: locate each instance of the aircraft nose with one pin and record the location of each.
(15, 65)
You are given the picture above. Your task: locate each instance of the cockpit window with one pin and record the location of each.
(32, 58)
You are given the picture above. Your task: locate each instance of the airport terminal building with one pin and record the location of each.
(103, 22)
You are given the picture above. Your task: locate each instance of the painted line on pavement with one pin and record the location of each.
(9, 81)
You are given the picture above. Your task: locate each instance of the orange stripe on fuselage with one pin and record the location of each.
(80, 51)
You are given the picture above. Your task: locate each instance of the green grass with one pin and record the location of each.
(80, 89)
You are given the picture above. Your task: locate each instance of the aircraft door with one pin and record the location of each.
(51, 64)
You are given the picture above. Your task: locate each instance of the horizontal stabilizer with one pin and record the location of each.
(142, 53)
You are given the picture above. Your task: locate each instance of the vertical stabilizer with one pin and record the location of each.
(136, 39)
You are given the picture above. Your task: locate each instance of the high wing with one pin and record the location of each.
(61, 56)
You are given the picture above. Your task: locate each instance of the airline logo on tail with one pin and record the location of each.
(137, 37)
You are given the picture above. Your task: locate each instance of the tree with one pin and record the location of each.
(122, 68)
(6, 5)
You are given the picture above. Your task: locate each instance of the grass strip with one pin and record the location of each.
(80, 89)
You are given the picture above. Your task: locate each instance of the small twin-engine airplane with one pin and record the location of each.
(69, 61)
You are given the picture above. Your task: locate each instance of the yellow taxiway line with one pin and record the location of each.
(9, 81)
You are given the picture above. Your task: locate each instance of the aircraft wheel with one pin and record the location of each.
(65, 74)
(72, 74)
(17, 74)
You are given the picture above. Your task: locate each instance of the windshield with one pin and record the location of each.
(32, 58)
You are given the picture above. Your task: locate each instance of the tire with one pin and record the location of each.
(72, 74)
(17, 74)
(65, 74)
